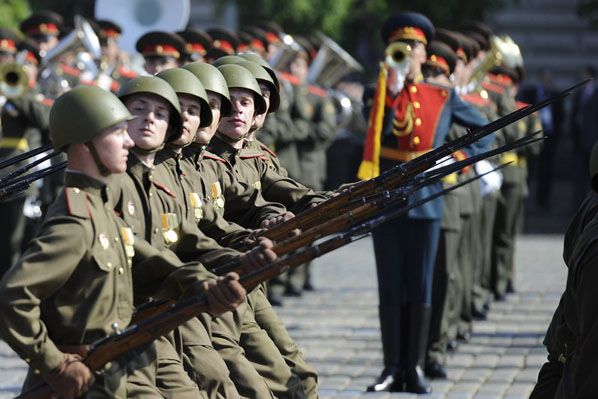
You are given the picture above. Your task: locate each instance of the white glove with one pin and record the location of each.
(491, 182)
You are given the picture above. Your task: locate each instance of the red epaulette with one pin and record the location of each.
(269, 151)
(76, 202)
(127, 73)
(521, 104)
(164, 188)
(493, 87)
(475, 98)
(316, 91)
(69, 70)
(290, 78)
(114, 86)
(210, 155)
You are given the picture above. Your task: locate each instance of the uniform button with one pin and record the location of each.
(417, 105)
(121, 270)
(107, 366)
(109, 264)
(76, 190)
(443, 93)
(115, 239)
(413, 89)
(36, 371)
(28, 360)
(129, 262)
(418, 122)
(416, 140)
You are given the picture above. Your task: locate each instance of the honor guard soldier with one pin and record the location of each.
(104, 267)
(416, 120)
(197, 44)
(43, 27)
(161, 50)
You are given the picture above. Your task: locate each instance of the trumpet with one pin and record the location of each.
(13, 80)
(397, 56)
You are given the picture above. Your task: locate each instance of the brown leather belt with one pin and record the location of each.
(400, 155)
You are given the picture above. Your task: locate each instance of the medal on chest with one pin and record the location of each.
(128, 238)
(217, 198)
(196, 205)
(170, 222)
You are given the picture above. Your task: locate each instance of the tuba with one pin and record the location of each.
(503, 51)
(83, 44)
(330, 65)
(14, 81)
(287, 49)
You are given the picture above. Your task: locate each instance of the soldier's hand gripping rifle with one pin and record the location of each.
(173, 315)
(401, 173)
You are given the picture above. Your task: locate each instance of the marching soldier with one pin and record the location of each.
(107, 260)
(114, 63)
(417, 119)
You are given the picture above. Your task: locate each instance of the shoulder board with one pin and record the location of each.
(475, 99)
(162, 187)
(521, 104)
(290, 78)
(114, 86)
(70, 70)
(127, 73)
(493, 87)
(76, 202)
(209, 155)
(269, 151)
(317, 91)
(247, 153)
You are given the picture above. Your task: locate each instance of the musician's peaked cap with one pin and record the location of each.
(408, 25)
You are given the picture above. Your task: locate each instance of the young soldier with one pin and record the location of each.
(54, 313)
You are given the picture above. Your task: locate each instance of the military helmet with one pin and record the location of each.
(238, 77)
(226, 59)
(263, 77)
(184, 82)
(83, 113)
(157, 87)
(212, 80)
(253, 57)
(594, 168)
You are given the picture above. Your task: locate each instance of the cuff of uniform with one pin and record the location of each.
(46, 360)
(186, 281)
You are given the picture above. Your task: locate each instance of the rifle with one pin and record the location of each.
(401, 173)
(22, 183)
(25, 155)
(5, 181)
(173, 315)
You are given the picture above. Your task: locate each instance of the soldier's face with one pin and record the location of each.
(190, 109)
(299, 67)
(205, 134)
(148, 129)
(261, 118)
(238, 124)
(153, 65)
(113, 147)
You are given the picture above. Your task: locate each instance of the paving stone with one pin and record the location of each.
(520, 389)
(475, 375)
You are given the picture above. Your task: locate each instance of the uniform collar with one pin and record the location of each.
(90, 185)
(194, 151)
(136, 168)
(222, 148)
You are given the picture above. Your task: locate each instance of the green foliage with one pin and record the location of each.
(12, 12)
(67, 8)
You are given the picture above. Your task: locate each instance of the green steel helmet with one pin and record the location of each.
(83, 113)
(238, 77)
(263, 77)
(227, 59)
(184, 82)
(157, 87)
(213, 81)
(594, 168)
(253, 57)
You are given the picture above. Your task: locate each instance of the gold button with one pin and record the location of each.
(115, 239)
(418, 122)
(416, 140)
(36, 371)
(129, 262)
(121, 270)
(413, 89)
(443, 93)
(76, 190)
(109, 264)
(417, 105)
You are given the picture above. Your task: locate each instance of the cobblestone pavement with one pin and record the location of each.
(337, 328)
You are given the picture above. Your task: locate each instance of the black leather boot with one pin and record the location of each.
(419, 325)
(390, 327)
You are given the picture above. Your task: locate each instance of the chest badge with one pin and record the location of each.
(169, 223)
(104, 241)
(131, 208)
(216, 190)
(196, 204)
(128, 238)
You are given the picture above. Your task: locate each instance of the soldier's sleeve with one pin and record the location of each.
(36, 112)
(325, 126)
(43, 269)
(533, 125)
(245, 204)
(213, 225)
(161, 274)
(290, 193)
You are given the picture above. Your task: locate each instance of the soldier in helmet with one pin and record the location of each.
(88, 248)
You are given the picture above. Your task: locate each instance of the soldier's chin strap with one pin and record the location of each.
(96, 157)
